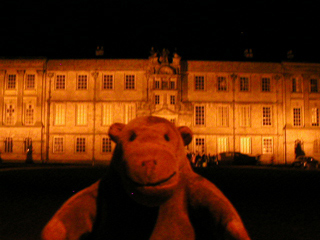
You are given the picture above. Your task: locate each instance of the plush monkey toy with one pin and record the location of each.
(149, 192)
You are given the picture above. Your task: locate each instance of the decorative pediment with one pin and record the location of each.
(162, 63)
(166, 70)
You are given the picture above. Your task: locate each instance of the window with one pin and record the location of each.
(157, 83)
(244, 84)
(12, 81)
(266, 116)
(30, 82)
(8, 145)
(156, 99)
(199, 82)
(172, 84)
(29, 114)
(199, 116)
(27, 144)
(265, 85)
(223, 116)
(60, 114)
(164, 83)
(106, 145)
(129, 112)
(82, 83)
(10, 114)
(316, 146)
(223, 145)
(296, 85)
(267, 145)
(315, 117)
(107, 114)
(245, 117)
(245, 145)
(82, 114)
(313, 85)
(130, 82)
(61, 82)
(172, 99)
(172, 120)
(200, 147)
(80, 145)
(58, 144)
(222, 84)
(296, 117)
(107, 82)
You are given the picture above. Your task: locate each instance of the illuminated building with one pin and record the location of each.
(65, 107)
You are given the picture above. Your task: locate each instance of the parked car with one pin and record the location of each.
(305, 162)
(237, 158)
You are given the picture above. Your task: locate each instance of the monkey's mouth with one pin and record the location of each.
(151, 184)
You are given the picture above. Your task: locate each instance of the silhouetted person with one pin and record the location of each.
(29, 154)
(298, 151)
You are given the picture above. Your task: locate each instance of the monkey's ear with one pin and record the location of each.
(115, 130)
(186, 134)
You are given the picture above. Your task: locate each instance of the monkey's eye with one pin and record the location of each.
(133, 136)
(166, 137)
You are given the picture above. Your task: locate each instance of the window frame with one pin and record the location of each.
(27, 121)
(60, 82)
(315, 117)
(106, 82)
(314, 85)
(223, 116)
(199, 82)
(107, 114)
(8, 145)
(106, 147)
(265, 86)
(265, 149)
(54, 144)
(13, 115)
(82, 148)
(9, 83)
(248, 145)
(222, 144)
(200, 120)
(82, 108)
(200, 143)
(221, 88)
(173, 100)
(245, 116)
(156, 99)
(297, 120)
(80, 84)
(26, 83)
(128, 85)
(247, 84)
(62, 118)
(267, 119)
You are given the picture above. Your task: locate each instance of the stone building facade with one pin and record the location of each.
(63, 108)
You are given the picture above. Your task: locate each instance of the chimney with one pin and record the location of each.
(99, 51)
(248, 53)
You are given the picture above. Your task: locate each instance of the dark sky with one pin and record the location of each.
(198, 29)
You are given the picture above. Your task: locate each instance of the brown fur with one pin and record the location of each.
(150, 183)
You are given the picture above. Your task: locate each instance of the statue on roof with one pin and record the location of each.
(164, 56)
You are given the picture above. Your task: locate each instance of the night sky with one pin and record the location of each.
(198, 30)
